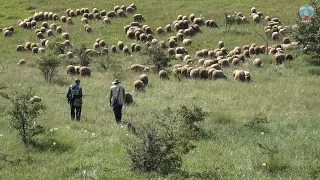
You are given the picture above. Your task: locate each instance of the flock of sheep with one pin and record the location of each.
(205, 64)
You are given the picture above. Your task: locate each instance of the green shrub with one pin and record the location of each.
(23, 113)
(161, 143)
(158, 58)
(48, 64)
(83, 57)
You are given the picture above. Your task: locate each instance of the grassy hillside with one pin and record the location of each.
(285, 97)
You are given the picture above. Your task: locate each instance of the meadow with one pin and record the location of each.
(284, 145)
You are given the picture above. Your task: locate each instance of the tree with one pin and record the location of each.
(23, 113)
(307, 34)
(158, 57)
(48, 64)
(83, 56)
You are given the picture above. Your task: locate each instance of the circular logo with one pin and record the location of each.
(306, 12)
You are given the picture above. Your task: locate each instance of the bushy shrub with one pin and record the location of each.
(83, 57)
(161, 143)
(158, 58)
(48, 64)
(23, 113)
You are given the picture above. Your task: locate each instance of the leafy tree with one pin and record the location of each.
(48, 64)
(307, 34)
(83, 56)
(23, 113)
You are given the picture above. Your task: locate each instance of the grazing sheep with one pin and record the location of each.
(216, 66)
(70, 54)
(102, 43)
(138, 17)
(208, 63)
(256, 18)
(121, 13)
(257, 62)
(144, 78)
(120, 45)
(235, 61)
(275, 36)
(279, 58)
(247, 76)
(137, 48)
(218, 74)
(187, 42)
(59, 29)
(128, 98)
(35, 50)
(224, 63)
(253, 10)
(71, 70)
(7, 33)
(138, 68)
(171, 51)
(65, 36)
(203, 73)
(22, 62)
(211, 24)
(50, 33)
(20, 48)
(35, 99)
(138, 85)
(160, 30)
(194, 73)
(168, 28)
(239, 75)
(113, 48)
(163, 74)
(85, 71)
(220, 44)
(289, 57)
(63, 19)
(125, 50)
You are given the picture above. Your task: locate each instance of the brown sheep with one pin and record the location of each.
(257, 62)
(239, 75)
(163, 74)
(22, 62)
(194, 73)
(71, 70)
(85, 71)
(138, 85)
(144, 78)
(203, 73)
(128, 99)
(35, 99)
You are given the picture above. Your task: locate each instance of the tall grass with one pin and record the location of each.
(94, 148)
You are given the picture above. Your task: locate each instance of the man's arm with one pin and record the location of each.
(68, 94)
(110, 96)
(80, 93)
(124, 94)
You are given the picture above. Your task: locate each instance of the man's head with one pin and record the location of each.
(116, 81)
(77, 81)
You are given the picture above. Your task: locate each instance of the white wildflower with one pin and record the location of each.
(263, 164)
(262, 132)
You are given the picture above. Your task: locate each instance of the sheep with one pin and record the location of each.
(253, 10)
(235, 61)
(138, 85)
(59, 29)
(65, 36)
(35, 99)
(138, 17)
(137, 48)
(121, 13)
(208, 63)
(7, 33)
(279, 58)
(216, 66)
(70, 54)
(163, 74)
(239, 75)
(218, 74)
(35, 50)
(144, 78)
(71, 70)
(194, 73)
(187, 42)
(257, 62)
(113, 48)
(125, 50)
(203, 73)
(120, 45)
(199, 21)
(275, 36)
(102, 43)
(168, 28)
(256, 18)
(63, 19)
(20, 48)
(84, 71)
(50, 33)
(53, 26)
(137, 68)
(160, 30)
(211, 24)
(84, 20)
(22, 62)
(224, 63)
(111, 14)
(128, 98)
(220, 44)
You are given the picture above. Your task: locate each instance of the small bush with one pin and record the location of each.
(83, 57)
(23, 113)
(161, 143)
(158, 58)
(48, 64)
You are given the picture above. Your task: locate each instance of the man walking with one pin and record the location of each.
(116, 99)
(74, 97)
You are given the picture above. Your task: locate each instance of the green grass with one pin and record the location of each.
(287, 97)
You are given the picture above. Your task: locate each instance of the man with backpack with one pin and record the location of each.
(74, 97)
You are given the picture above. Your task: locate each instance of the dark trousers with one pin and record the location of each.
(72, 112)
(118, 113)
